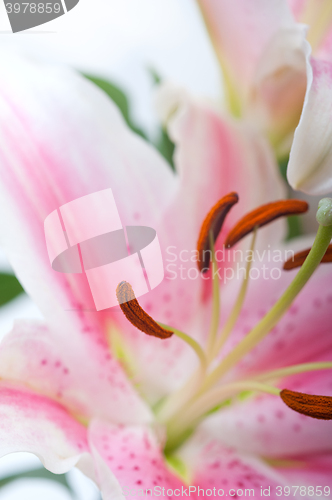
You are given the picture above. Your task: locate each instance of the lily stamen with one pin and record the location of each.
(215, 303)
(264, 215)
(298, 259)
(313, 406)
(143, 321)
(213, 222)
(294, 370)
(232, 319)
(136, 315)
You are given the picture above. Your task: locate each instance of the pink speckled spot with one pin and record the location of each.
(56, 368)
(137, 457)
(226, 470)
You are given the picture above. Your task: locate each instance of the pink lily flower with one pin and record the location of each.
(276, 61)
(87, 389)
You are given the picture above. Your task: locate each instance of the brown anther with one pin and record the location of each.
(298, 259)
(262, 216)
(213, 222)
(136, 315)
(312, 406)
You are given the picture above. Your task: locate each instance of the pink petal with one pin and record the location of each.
(32, 354)
(134, 460)
(309, 167)
(62, 139)
(297, 7)
(214, 465)
(240, 32)
(317, 472)
(36, 424)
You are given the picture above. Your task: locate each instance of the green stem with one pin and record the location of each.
(239, 302)
(215, 302)
(293, 370)
(191, 342)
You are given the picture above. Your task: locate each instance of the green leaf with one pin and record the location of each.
(294, 227)
(294, 222)
(39, 473)
(283, 163)
(10, 288)
(155, 75)
(164, 144)
(166, 147)
(119, 98)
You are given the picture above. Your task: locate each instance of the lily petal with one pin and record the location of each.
(279, 85)
(309, 167)
(36, 424)
(61, 139)
(297, 7)
(240, 32)
(214, 465)
(317, 15)
(134, 460)
(317, 471)
(33, 356)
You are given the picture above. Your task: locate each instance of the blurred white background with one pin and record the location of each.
(122, 39)
(118, 39)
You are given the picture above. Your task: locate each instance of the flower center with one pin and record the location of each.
(205, 390)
